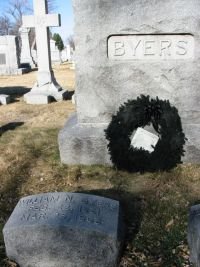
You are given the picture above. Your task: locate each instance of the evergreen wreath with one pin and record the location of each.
(139, 113)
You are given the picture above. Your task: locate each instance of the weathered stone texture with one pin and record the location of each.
(105, 81)
(64, 230)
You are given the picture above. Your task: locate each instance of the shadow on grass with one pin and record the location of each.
(10, 127)
(14, 91)
(9, 198)
(69, 95)
(16, 175)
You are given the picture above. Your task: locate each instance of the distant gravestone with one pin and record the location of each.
(59, 56)
(9, 56)
(25, 57)
(46, 85)
(55, 53)
(4, 99)
(155, 54)
(64, 230)
(194, 235)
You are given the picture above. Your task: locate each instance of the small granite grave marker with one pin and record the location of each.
(64, 230)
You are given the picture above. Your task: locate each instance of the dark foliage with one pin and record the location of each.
(59, 42)
(139, 113)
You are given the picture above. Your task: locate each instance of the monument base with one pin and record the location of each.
(45, 94)
(86, 143)
(83, 143)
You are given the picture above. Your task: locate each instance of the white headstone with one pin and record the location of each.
(65, 230)
(4, 99)
(144, 139)
(46, 84)
(9, 55)
(55, 53)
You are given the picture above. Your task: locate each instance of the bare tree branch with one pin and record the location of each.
(5, 25)
(10, 23)
(16, 9)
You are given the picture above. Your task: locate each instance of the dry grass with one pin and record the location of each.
(155, 205)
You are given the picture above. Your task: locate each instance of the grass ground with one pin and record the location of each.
(155, 205)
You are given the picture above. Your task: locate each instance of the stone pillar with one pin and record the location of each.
(25, 48)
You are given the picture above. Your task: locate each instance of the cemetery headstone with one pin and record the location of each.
(9, 56)
(64, 230)
(4, 99)
(122, 51)
(25, 57)
(194, 234)
(46, 86)
(55, 54)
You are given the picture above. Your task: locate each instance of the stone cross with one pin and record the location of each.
(41, 21)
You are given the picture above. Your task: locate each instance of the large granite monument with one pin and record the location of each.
(126, 48)
(64, 230)
(46, 86)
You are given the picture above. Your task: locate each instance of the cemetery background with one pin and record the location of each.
(155, 205)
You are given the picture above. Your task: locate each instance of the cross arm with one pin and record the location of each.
(46, 20)
(53, 20)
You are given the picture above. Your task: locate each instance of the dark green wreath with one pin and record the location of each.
(139, 113)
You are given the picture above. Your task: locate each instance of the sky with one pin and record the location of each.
(63, 7)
